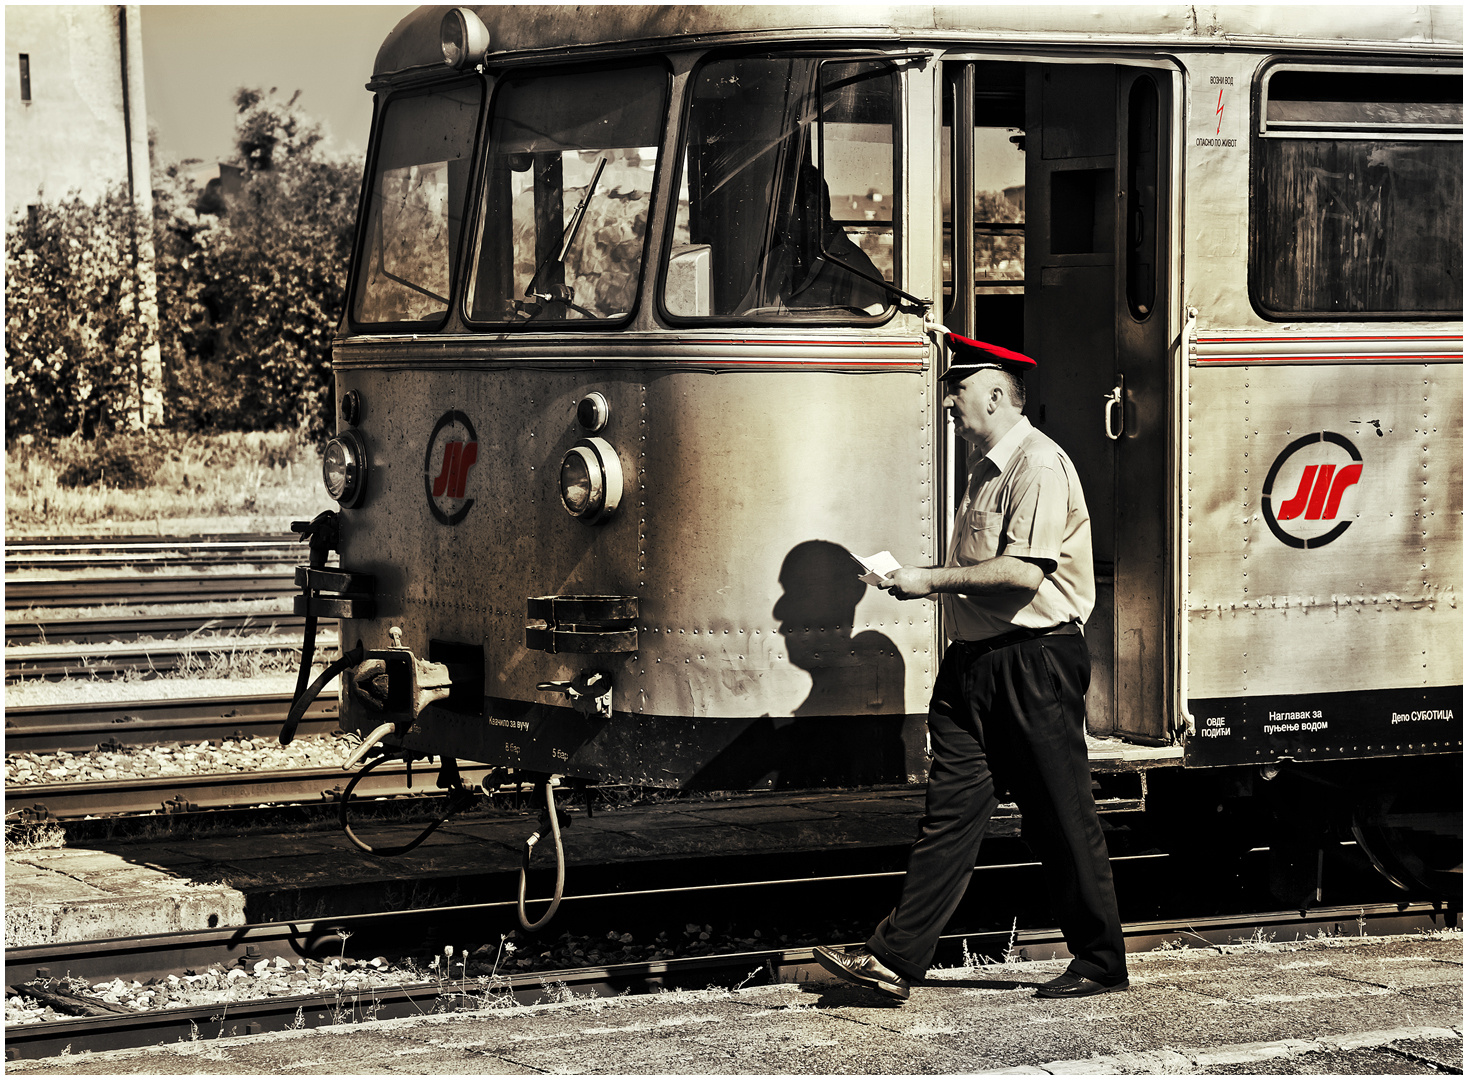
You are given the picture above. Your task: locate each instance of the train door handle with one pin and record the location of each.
(1115, 407)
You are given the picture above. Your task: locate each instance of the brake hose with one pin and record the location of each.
(555, 832)
(304, 698)
(461, 798)
(308, 655)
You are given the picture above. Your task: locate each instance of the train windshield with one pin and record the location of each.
(416, 209)
(787, 194)
(568, 192)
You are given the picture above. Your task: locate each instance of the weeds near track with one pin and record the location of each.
(57, 485)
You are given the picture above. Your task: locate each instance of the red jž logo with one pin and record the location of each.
(1318, 495)
(457, 457)
(452, 450)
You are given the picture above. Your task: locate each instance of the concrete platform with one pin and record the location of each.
(70, 895)
(1337, 1006)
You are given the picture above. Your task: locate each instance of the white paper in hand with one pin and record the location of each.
(877, 566)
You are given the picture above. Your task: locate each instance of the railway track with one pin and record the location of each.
(106, 659)
(128, 628)
(425, 931)
(89, 552)
(48, 728)
(27, 593)
(131, 541)
(214, 791)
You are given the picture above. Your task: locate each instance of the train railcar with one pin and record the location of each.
(641, 350)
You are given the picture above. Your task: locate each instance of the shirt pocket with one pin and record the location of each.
(980, 537)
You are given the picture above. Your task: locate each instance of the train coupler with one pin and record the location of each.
(395, 681)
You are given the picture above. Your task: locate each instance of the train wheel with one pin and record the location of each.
(1414, 844)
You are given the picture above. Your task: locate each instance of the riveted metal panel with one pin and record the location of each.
(746, 494)
(758, 487)
(468, 578)
(1297, 594)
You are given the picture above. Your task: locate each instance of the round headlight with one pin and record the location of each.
(591, 480)
(581, 481)
(344, 468)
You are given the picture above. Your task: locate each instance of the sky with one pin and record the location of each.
(195, 56)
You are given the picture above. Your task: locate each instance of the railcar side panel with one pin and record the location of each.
(759, 488)
(1216, 168)
(1325, 541)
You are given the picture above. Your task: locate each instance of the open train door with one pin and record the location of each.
(1098, 298)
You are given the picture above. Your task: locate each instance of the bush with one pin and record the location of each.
(60, 485)
(247, 301)
(75, 326)
(127, 462)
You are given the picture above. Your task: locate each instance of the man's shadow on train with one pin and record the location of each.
(821, 593)
(849, 728)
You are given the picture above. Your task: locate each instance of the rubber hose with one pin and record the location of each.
(555, 828)
(308, 654)
(460, 800)
(302, 701)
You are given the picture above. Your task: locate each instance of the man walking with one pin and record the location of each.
(1008, 706)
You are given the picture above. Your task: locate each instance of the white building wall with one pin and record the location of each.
(83, 129)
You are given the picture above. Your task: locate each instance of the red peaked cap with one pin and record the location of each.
(969, 356)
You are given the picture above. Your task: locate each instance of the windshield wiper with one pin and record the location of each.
(567, 238)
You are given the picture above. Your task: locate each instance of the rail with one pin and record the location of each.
(25, 593)
(130, 628)
(49, 728)
(179, 794)
(96, 660)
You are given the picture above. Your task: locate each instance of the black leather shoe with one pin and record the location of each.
(1076, 986)
(860, 966)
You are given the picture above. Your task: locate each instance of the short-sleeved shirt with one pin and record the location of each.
(1023, 499)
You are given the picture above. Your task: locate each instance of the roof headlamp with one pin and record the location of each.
(464, 38)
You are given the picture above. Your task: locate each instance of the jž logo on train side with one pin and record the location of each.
(1317, 498)
(457, 457)
(453, 448)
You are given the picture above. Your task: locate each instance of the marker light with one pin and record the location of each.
(591, 480)
(344, 468)
(592, 412)
(464, 37)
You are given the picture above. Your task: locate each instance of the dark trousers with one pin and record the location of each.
(1012, 717)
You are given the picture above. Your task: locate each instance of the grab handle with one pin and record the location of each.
(1115, 407)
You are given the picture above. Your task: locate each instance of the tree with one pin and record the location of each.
(255, 295)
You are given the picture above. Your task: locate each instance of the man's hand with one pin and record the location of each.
(908, 583)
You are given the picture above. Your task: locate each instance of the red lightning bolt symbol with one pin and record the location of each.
(1219, 112)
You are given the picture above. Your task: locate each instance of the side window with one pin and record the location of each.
(568, 194)
(787, 204)
(415, 213)
(1358, 194)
